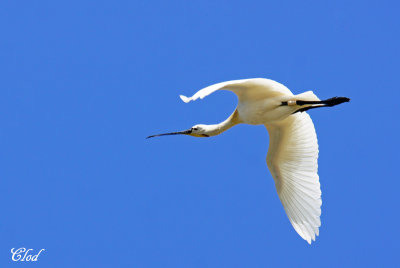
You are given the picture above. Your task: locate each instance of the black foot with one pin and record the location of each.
(335, 101)
(325, 103)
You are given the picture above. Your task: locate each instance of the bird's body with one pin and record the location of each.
(293, 148)
(260, 99)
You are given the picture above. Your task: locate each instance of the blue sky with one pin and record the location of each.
(84, 82)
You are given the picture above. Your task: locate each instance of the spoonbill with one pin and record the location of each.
(293, 146)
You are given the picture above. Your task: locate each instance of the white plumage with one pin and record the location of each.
(292, 160)
(293, 147)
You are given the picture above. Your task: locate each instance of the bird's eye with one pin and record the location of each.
(194, 128)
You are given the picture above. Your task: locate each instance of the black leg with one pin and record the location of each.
(324, 103)
(308, 108)
(329, 102)
(335, 101)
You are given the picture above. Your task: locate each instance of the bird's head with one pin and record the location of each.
(195, 131)
(200, 131)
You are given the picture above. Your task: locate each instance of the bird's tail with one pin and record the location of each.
(307, 96)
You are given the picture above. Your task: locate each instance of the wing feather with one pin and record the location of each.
(292, 159)
(245, 89)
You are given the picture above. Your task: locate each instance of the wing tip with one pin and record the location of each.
(185, 99)
(309, 238)
(313, 235)
(308, 235)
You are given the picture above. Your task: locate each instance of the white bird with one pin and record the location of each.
(293, 146)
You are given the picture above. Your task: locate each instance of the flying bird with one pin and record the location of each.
(293, 146)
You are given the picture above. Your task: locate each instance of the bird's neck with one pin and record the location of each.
(231, 121)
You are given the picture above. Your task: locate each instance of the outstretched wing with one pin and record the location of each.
(245, 89)
(292, 160)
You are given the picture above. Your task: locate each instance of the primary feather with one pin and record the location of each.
(292, 160)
